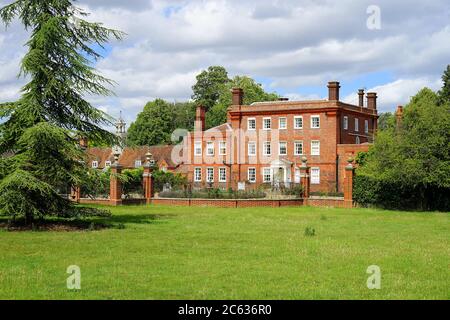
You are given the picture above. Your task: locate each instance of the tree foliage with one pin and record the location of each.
(153, 125)
(386, 120)
(40, 131)
(253, 92)
(209, 85)
(409, 165)
(444, 93)
(159, 118)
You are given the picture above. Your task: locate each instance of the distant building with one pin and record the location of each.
(102, 158)
(130, 157)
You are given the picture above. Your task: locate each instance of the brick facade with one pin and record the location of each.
(329, 130)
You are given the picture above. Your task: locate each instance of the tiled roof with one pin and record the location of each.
(130, 155)
(221, 128)
(100, 155)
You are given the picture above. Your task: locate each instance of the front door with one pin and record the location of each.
(278, 176)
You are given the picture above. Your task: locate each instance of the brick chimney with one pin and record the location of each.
(237, 96)
(399, 116)
(333, 91)
(372, 100)
(83, 141)
(361, 97)
(200, 118)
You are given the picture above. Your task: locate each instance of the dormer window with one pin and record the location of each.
(107, 163)
(137, 163)
(95, 164)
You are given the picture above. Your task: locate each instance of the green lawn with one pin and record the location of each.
(211, 253)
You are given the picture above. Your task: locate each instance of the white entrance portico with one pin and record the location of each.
(281, 172)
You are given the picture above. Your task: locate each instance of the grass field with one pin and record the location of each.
(211, 253)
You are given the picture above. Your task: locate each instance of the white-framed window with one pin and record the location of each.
(210, 148)
(251, 175)
(298, 122)
(198, 148)
(222, 174)
(267, 175)
(315, 122)
(251, 148)
(137, 163)
(251, 124)
(222, 148)
(282, 123)
(198, 174)
(315, 175)
(297, 175)
(107, 163)
(282, 148)
(366, 126)
(315, 148)
(298, 148)
(95, 164)
(209, 174)
(345, 124)
(356, 124)
(357, 140)
(267, 123)
(267, 150)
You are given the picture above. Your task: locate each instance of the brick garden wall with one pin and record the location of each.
(228, 203)
(231, 203)
(333, 203)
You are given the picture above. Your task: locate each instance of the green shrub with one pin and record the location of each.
(310, 232)
(175, 180)
(132, 181)
(213, 193)
(294, 189)
(369, 191)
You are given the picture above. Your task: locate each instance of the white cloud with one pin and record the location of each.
(398, 92)
(289, 44)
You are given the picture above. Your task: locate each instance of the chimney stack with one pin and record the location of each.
(361, 97)
(83, 141)
(399, 116)
(333, 91)
(372, 100)
(237, 96)
(200, 118)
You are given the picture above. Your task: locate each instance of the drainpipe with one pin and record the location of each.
(337, 173)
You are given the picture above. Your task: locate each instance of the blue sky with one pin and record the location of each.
(293, 47)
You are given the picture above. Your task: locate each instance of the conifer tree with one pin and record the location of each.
(444, 93)
(39, 135)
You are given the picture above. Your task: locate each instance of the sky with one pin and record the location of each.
(292, 47)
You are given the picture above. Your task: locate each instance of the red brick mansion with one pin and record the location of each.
(264, 143)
